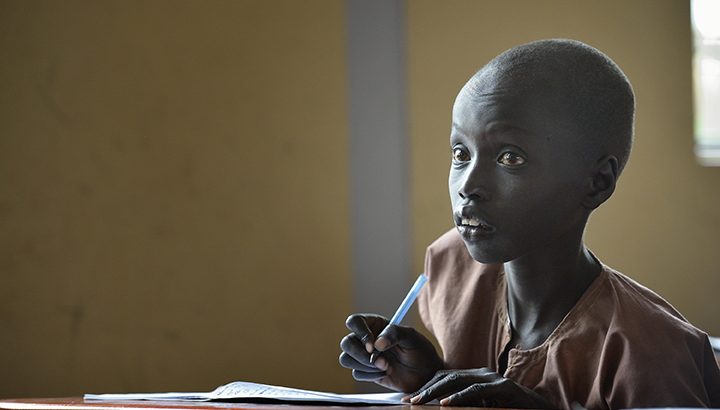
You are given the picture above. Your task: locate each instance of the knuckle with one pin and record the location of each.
(390, 332)
(406, 333)
(475, 388)
(351, 319)
(344, 361)
(455, 399)
(345, 342)
(505, 383)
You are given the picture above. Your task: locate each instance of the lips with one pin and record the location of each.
(471, 225)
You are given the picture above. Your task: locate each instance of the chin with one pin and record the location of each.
(484, 253)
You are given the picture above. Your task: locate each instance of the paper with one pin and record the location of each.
(239, 391)
(715, 343)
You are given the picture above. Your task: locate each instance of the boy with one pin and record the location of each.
(526, 316)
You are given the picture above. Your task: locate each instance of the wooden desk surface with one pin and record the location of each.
(77, 403)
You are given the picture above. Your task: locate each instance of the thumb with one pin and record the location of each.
(395, 335)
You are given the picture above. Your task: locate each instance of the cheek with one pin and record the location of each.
(453, 186)
(542, 210)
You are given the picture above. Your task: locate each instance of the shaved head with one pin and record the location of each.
(582, 86)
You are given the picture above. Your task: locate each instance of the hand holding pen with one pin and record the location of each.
(384, 352)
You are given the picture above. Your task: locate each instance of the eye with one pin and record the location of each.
(510, 159)
(459, 155)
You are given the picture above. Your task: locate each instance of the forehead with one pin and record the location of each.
(486, 103)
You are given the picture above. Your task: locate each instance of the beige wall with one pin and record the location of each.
(173, 179)
(662, 227)
(173, 196)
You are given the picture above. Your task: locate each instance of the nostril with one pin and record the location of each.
(476, 194)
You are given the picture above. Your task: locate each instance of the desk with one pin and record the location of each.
(77, 403)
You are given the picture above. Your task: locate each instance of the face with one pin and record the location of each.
(517, 177)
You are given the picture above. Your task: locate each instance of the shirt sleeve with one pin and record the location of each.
(711, 373)
(685, 375)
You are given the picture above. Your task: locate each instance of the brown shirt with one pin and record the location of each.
(621, 346)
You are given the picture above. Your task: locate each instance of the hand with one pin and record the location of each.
(402, 358)
(478, 388)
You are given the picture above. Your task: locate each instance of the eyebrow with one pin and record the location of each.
(476, 89)
(456, 126)
(502, 126)
(494, 127)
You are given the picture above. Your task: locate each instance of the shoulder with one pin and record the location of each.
(638, 317)
(637, 304)
(649, 345)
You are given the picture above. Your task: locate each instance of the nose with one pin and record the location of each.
(472, 184)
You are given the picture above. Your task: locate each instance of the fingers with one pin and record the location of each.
(362, 376)
(484, 394)
(379, 361)
(438, 375)
(355, 357)
(447, 383)
(444, 385)
(497, 393)
(349, 362)
(353, 348)
(394, 335)
(365, 327)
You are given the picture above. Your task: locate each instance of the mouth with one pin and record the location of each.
(471, 226)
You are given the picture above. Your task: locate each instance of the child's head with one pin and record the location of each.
(539, 137)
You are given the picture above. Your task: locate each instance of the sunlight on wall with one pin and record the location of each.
(706, 80)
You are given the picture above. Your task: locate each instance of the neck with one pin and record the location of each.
(545, 284)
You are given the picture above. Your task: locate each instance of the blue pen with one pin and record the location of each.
(405, 306)
(408, 301)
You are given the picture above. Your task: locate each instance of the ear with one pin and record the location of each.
(602, 183)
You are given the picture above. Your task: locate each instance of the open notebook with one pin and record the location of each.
(246, 391)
